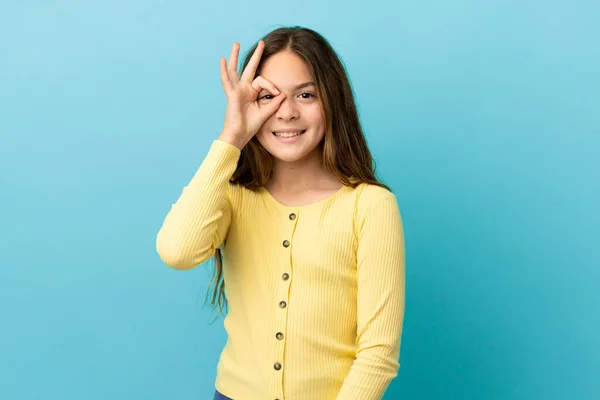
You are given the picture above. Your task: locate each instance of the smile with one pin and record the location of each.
(288, 134)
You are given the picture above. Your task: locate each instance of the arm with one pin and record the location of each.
(380, 301)
(199, 221)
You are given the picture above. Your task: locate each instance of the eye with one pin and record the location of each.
(266, 97)
(307, 95)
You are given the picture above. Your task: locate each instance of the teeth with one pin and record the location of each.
(287, 134)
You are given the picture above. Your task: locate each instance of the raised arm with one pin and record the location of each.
(199, 221)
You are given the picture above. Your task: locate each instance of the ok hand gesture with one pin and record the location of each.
(243, 116)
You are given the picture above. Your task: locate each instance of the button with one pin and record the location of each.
(292, 216)
(286, 243)
(285, 276)
(282, 304)
(277, 366)
(279, 335)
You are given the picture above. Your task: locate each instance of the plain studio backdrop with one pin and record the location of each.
(483, 116)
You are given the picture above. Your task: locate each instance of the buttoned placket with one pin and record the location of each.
(282, 303)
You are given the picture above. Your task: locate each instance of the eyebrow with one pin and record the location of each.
(297, 87)
(302, 85)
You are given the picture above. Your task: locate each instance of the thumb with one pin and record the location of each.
(273, 106)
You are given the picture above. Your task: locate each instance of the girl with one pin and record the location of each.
(308, 245)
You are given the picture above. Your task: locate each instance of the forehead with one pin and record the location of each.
(286, 69)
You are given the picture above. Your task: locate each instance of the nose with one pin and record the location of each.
(287, 110)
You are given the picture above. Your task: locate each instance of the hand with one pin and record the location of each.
(243, 116)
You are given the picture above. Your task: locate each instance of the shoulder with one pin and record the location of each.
(369, 196)
(375, 205)
(376, 211)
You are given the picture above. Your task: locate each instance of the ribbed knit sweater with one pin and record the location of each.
(315, 293)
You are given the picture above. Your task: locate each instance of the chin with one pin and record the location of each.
(287, 154)
(288, 157)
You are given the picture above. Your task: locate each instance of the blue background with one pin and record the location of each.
(483, 117)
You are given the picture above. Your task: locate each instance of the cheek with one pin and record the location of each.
(267, 125)
(316, 116)
(261, 136)
(265, 136)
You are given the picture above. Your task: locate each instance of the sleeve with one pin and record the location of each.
(380, 301)
(199, 221)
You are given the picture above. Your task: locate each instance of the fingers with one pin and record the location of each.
(229, 74)
(269, 109)
(225, 77)
(233, 61)
(250, 70)
(261, 83)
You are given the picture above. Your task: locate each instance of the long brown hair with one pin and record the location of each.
(345, 151)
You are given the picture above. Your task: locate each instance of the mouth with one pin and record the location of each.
(286, 135)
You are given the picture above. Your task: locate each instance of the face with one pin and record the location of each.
(300, 111)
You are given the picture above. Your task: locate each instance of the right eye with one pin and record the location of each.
(266, 97)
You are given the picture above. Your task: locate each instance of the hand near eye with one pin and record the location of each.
(243, 116)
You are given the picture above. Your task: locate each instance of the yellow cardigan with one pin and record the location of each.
(315, 293)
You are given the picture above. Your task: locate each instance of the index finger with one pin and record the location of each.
(250, 70)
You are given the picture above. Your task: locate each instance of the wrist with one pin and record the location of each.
(232, 139)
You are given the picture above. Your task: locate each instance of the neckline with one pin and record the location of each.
(306, 206)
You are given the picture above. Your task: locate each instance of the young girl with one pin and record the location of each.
(308, 245)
